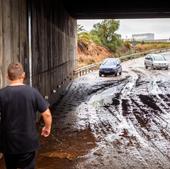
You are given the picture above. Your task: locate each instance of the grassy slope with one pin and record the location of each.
(89, 53)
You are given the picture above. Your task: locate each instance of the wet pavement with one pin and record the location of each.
(111, 122)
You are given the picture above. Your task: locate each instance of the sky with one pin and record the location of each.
(160, 27)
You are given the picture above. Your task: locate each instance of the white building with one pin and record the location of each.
(143, 36)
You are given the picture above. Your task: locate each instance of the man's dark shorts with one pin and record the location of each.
(22, 161)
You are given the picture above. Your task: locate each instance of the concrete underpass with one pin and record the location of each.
(101, 122)
(41, 34)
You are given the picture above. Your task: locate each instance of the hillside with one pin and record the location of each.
(89, 53)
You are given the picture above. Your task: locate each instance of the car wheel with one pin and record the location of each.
(120, 73)
(100, 74)
(146, 67)
(153, 67)
(115, 74)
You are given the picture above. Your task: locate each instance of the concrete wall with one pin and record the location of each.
(53, 43)
(13, 35)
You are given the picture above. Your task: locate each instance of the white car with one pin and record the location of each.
(156, 61)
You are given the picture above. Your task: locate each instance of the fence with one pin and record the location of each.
(90, 68)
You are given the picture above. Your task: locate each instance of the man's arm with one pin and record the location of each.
(48, 121)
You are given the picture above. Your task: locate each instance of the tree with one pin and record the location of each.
(82, 35)
(104, 34)
(80, 29)
(83, 38)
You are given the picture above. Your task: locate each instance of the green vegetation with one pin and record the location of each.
(143, 46)
(104, 34)
(103, 41)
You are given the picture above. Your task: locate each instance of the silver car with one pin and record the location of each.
(156, 61)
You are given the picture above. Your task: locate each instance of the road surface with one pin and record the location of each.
(112, 122)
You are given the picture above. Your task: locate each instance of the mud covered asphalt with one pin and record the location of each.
(111, 122)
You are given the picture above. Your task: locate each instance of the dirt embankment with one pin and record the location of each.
(89, 53)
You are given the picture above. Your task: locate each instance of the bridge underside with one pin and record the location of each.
(91, 9)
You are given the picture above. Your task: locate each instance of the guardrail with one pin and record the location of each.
(86, 69)
(92, 67)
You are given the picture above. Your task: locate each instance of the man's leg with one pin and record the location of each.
(22, 161)
(27, 160)
(10, 161)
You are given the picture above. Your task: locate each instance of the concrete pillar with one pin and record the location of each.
(13, 34)
(54, 47)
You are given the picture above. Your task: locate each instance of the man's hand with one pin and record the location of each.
(45, 132)
(48, 121)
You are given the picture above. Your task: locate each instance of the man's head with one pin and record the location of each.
(15, 72)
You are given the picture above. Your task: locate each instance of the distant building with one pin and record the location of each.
(143, 36)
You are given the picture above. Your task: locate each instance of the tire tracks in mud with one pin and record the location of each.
(134, 124)
(144, 113)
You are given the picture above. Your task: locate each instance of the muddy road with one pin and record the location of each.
(112, 122)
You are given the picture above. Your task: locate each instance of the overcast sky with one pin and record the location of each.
(160, 27)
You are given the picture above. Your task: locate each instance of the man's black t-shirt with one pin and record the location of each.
(18, 107)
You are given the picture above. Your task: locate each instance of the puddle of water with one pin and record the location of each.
(62, 152)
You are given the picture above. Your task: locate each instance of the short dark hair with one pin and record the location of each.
(15, 71)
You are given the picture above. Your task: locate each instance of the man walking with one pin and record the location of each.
(18, 106)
